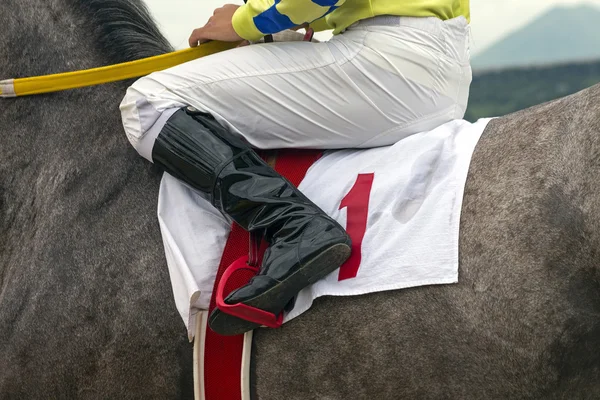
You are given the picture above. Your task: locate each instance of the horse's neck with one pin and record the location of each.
(65, 35)
(41, 37)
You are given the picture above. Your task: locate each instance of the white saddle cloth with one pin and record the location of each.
(410, 233)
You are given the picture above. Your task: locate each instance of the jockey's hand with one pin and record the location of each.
(218, 27)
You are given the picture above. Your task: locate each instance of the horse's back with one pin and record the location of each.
(523, 320)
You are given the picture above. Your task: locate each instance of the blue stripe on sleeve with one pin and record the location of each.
(272, 21)
(325, 3)
(330, 10)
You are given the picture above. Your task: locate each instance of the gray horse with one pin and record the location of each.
(86, 309)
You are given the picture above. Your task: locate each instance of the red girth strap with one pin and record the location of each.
(223, 354)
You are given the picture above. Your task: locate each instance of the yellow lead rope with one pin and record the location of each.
(111, 73)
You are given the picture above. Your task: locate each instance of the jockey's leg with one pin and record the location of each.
(370, 86)
(304, 243)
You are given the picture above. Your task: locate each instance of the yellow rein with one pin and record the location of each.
(111, 73)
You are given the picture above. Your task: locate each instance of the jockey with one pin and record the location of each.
(393, 68)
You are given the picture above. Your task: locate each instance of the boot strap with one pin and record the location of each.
(257, 247)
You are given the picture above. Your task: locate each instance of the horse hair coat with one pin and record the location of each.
(86, 309)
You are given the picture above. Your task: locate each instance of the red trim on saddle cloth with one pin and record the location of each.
(223, 354)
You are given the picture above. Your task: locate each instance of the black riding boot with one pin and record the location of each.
(304, 243)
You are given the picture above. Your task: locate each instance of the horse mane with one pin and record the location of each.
(125, 29)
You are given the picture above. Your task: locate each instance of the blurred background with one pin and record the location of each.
(523, 52)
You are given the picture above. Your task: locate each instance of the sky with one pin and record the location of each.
(490, 19)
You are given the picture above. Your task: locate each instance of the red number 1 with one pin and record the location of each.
(357, 202)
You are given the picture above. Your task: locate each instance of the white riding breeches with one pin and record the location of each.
(381, 80)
